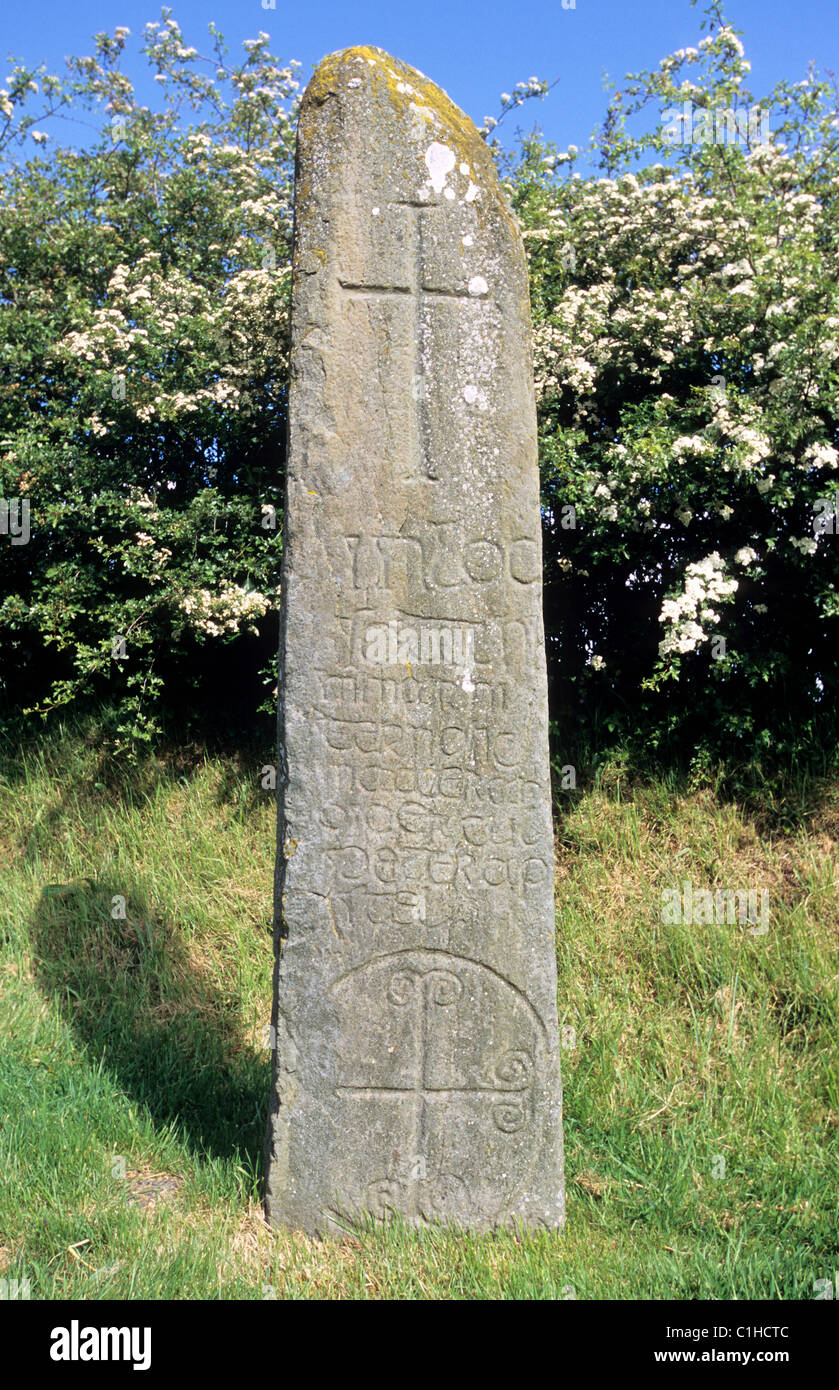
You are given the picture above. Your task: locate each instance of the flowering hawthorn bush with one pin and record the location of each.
(144, 290)
(686, 338)
(686, 356)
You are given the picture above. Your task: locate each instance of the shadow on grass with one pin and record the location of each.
(145, 1011)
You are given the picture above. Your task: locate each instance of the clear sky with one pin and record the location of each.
(475, 49)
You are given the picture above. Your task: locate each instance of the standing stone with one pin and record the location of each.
(416, 1063)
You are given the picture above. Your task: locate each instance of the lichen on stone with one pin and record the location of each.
(404, 86)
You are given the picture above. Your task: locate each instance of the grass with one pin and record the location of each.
(701, 1063)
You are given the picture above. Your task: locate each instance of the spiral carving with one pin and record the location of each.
(442, 987)
(509, 1115)
(402, 987)
(513, 1070)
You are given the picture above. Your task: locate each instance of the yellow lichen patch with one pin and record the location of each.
(405, 105)
(391, 74)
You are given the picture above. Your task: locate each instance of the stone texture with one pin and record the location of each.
(416, 1061)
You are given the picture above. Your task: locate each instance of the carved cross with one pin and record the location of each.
(418, 292)
(441, 989)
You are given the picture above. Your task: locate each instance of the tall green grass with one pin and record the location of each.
(701, 1062)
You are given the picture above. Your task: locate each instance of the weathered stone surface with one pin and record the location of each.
(416, 1065)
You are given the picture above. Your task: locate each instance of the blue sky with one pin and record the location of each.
(474, 50)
